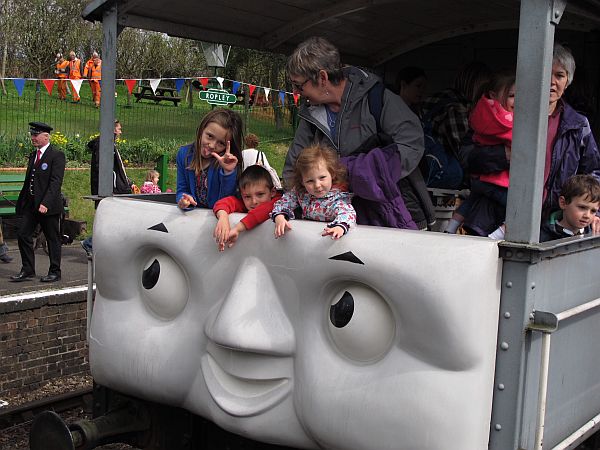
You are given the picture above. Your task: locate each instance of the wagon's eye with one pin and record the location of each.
(341, 313)
(165, 286)
(361, 323)
(151, 274)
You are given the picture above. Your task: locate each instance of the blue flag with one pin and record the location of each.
(282, 97)
(236, 86)
(19, 84)
(179, 84)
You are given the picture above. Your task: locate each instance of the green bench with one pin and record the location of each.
(10, 187)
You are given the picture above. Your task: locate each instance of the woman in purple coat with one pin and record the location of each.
(570, 150)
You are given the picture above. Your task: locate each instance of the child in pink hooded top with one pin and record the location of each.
(492, 121)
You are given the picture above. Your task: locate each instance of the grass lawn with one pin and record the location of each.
(145, 119)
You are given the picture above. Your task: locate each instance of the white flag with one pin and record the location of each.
(267, 91)
(220, 80)
(76, 85)
(154, 82)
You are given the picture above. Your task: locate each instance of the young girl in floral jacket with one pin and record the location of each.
(320, 190)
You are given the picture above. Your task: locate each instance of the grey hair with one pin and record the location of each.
(313, 55)
(563, 57)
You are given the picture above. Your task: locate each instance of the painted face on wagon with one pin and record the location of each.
(297, 342)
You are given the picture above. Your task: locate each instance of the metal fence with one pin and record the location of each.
(143, 119)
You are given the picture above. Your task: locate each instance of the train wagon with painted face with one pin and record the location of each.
(387, 339)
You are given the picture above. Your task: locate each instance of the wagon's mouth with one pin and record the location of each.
(249, 392)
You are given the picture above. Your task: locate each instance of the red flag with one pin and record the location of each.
(49, 85)
(130, 85)
(296, 97)
(251, 88)
(204, 82)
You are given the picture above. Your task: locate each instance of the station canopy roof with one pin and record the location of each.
(367, 32)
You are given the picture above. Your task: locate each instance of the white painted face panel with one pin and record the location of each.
(384, 339)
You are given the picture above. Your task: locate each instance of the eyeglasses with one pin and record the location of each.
(299, 86)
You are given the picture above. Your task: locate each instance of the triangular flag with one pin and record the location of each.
(154, 82)
(220, 80)
(236, 86)
(130, 85)
(251, 88)
(296, 97)
(49, 85)
(203, 81)
(76, 85)
(267, 91)
(179, 84)
(282, 97)
(19, 85)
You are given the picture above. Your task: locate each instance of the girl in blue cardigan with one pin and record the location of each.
(207, 170)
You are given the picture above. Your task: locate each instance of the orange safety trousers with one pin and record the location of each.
(95, 85)
(62, 89)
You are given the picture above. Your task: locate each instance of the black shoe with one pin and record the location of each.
(22, 276)
(50, 278)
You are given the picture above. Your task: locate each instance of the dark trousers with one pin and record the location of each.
(51, 228)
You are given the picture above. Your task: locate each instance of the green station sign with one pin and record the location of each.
(217, 97)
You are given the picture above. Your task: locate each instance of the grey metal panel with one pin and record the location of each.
(574, 376)
(547, 277)
(107, 101)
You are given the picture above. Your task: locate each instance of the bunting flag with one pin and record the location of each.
(154, 82)
(49, 85)
(130, 85)
(179, 84)
(19, 85)
(76, 85)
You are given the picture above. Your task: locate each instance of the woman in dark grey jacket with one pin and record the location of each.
(338, 114)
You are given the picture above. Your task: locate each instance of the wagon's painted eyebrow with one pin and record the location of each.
(348, 256)
(159, 227)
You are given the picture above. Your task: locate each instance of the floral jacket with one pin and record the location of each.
(335, 208)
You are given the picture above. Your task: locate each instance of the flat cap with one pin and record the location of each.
(39, 127)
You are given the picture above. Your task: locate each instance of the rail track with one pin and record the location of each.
(16, 416)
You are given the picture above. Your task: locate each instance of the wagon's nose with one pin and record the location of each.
(252, 317)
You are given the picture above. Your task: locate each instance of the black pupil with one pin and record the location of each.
(341, 313)
(151, 274)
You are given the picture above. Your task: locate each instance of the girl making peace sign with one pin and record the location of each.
(207, 170)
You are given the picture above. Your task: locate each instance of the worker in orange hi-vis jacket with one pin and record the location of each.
(93, 72)
(74, 73)
(61, 71)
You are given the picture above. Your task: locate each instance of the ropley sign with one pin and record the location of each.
(217, 97)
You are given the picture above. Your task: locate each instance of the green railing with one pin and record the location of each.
(144, 119)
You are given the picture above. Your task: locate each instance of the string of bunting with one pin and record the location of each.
(19, 84)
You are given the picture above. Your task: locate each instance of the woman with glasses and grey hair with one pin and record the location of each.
(338, 113)
(570, 147)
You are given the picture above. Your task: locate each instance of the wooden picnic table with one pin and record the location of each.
(162, 93)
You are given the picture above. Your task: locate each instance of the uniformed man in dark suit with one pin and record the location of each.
(40, 202)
